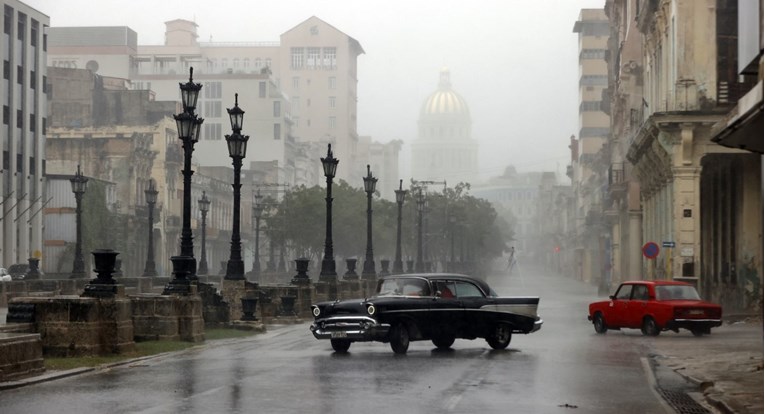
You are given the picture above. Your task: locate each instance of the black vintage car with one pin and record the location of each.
(436, 307)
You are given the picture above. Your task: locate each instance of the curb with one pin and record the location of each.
(44, 377)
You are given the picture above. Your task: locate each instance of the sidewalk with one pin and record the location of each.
(726, 365)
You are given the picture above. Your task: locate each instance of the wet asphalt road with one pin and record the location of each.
(563, 368)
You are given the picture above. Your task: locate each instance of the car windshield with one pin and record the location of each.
(403, 286)
(676, 292)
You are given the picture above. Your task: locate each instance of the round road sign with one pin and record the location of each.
(650, 250)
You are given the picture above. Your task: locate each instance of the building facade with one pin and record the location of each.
(593, 241)
(22, 185)
(675, 90)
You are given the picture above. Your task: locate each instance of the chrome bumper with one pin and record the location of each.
(537, 325)
(356, 328)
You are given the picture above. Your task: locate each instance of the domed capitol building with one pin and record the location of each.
(444, 148)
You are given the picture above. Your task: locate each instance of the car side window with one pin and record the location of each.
(468, 290)
(445, 287)
(624, 292)
(640, 292)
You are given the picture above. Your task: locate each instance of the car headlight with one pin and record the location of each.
(371, 309)
(316, 311)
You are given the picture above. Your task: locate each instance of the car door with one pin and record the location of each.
(472, 300)
(447, 312)
(619, 306)
(636, 306)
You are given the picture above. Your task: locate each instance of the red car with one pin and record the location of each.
(655, 306)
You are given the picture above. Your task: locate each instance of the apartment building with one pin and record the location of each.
(22, 185)
(592, 258)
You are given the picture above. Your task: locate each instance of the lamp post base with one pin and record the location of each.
(234, 270)
(328, 273)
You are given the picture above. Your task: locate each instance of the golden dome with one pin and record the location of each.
(445, 101)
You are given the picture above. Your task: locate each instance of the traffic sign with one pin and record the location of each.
(668, 244)
(650, 250)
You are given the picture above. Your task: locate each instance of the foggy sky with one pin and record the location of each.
(514, 61)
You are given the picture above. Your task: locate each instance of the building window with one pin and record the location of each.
(19, 119)
(246, 63)
(297, 57)
(277, 108)
(592, 54)
(236, 63)
(296, 83)
(262, 89)
(589, 106)
(35, 27)
(32, 80)
(6, 70)
(21, 30)
(332, 122)
(314, 57)
(277, 131)
(331, 101)
(32, 165)
(224, 63)
(594, 80)
(32, 122)
(330, 58)
(213, 131)
(258, 63)
(332, 82)
(213, 90)
(213, 109)
(19, 74)
(6, 114)
(8, 18)
(268, 62)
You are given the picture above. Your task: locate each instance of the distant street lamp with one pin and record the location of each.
(189, 127)
(398, 264)
(369, 261)
(151, 200)
(328, 274)
(204, 207)
(420, 266)
(237, 149)
(79, 186)
(257, 213)
(452, 223)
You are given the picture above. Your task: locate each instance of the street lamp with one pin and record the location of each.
(79, 185)
(237, 149)
(452, 223)
(257, 213)
(420, 266)
(189, 126)
(398, 265)
(151, 200)
(204, 207)
(369, 261)
(328, 274)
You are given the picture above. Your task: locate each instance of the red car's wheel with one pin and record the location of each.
(599, 324)
(649, 327)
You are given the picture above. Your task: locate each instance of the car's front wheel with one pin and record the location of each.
(340, 345)
(649, 327)
(599, 324)
(443, 341)
(500, 337)
(399, 338)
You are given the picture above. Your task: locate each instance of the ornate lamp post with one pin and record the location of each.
(369, 261)
(328, 273)
(79, 186)
(257, 213)
(204, 207)
(189, 127)
(398, 265)
(237, 149)
(452, 224)
(151, 199)
(420, 266)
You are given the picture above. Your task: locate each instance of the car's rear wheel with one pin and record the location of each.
(649, 327)
(599, 324)
(340, 345)
(500, 337)
(399, 338)
(443, 341)
(698, 331)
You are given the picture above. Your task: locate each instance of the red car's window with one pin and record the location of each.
(640, 292)
(676, 292)
(623, 292)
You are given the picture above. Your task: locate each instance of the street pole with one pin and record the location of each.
(237, 149)
(369, 261)
(79, 186)
(151, 199)
(328, 273)
(398, 264)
